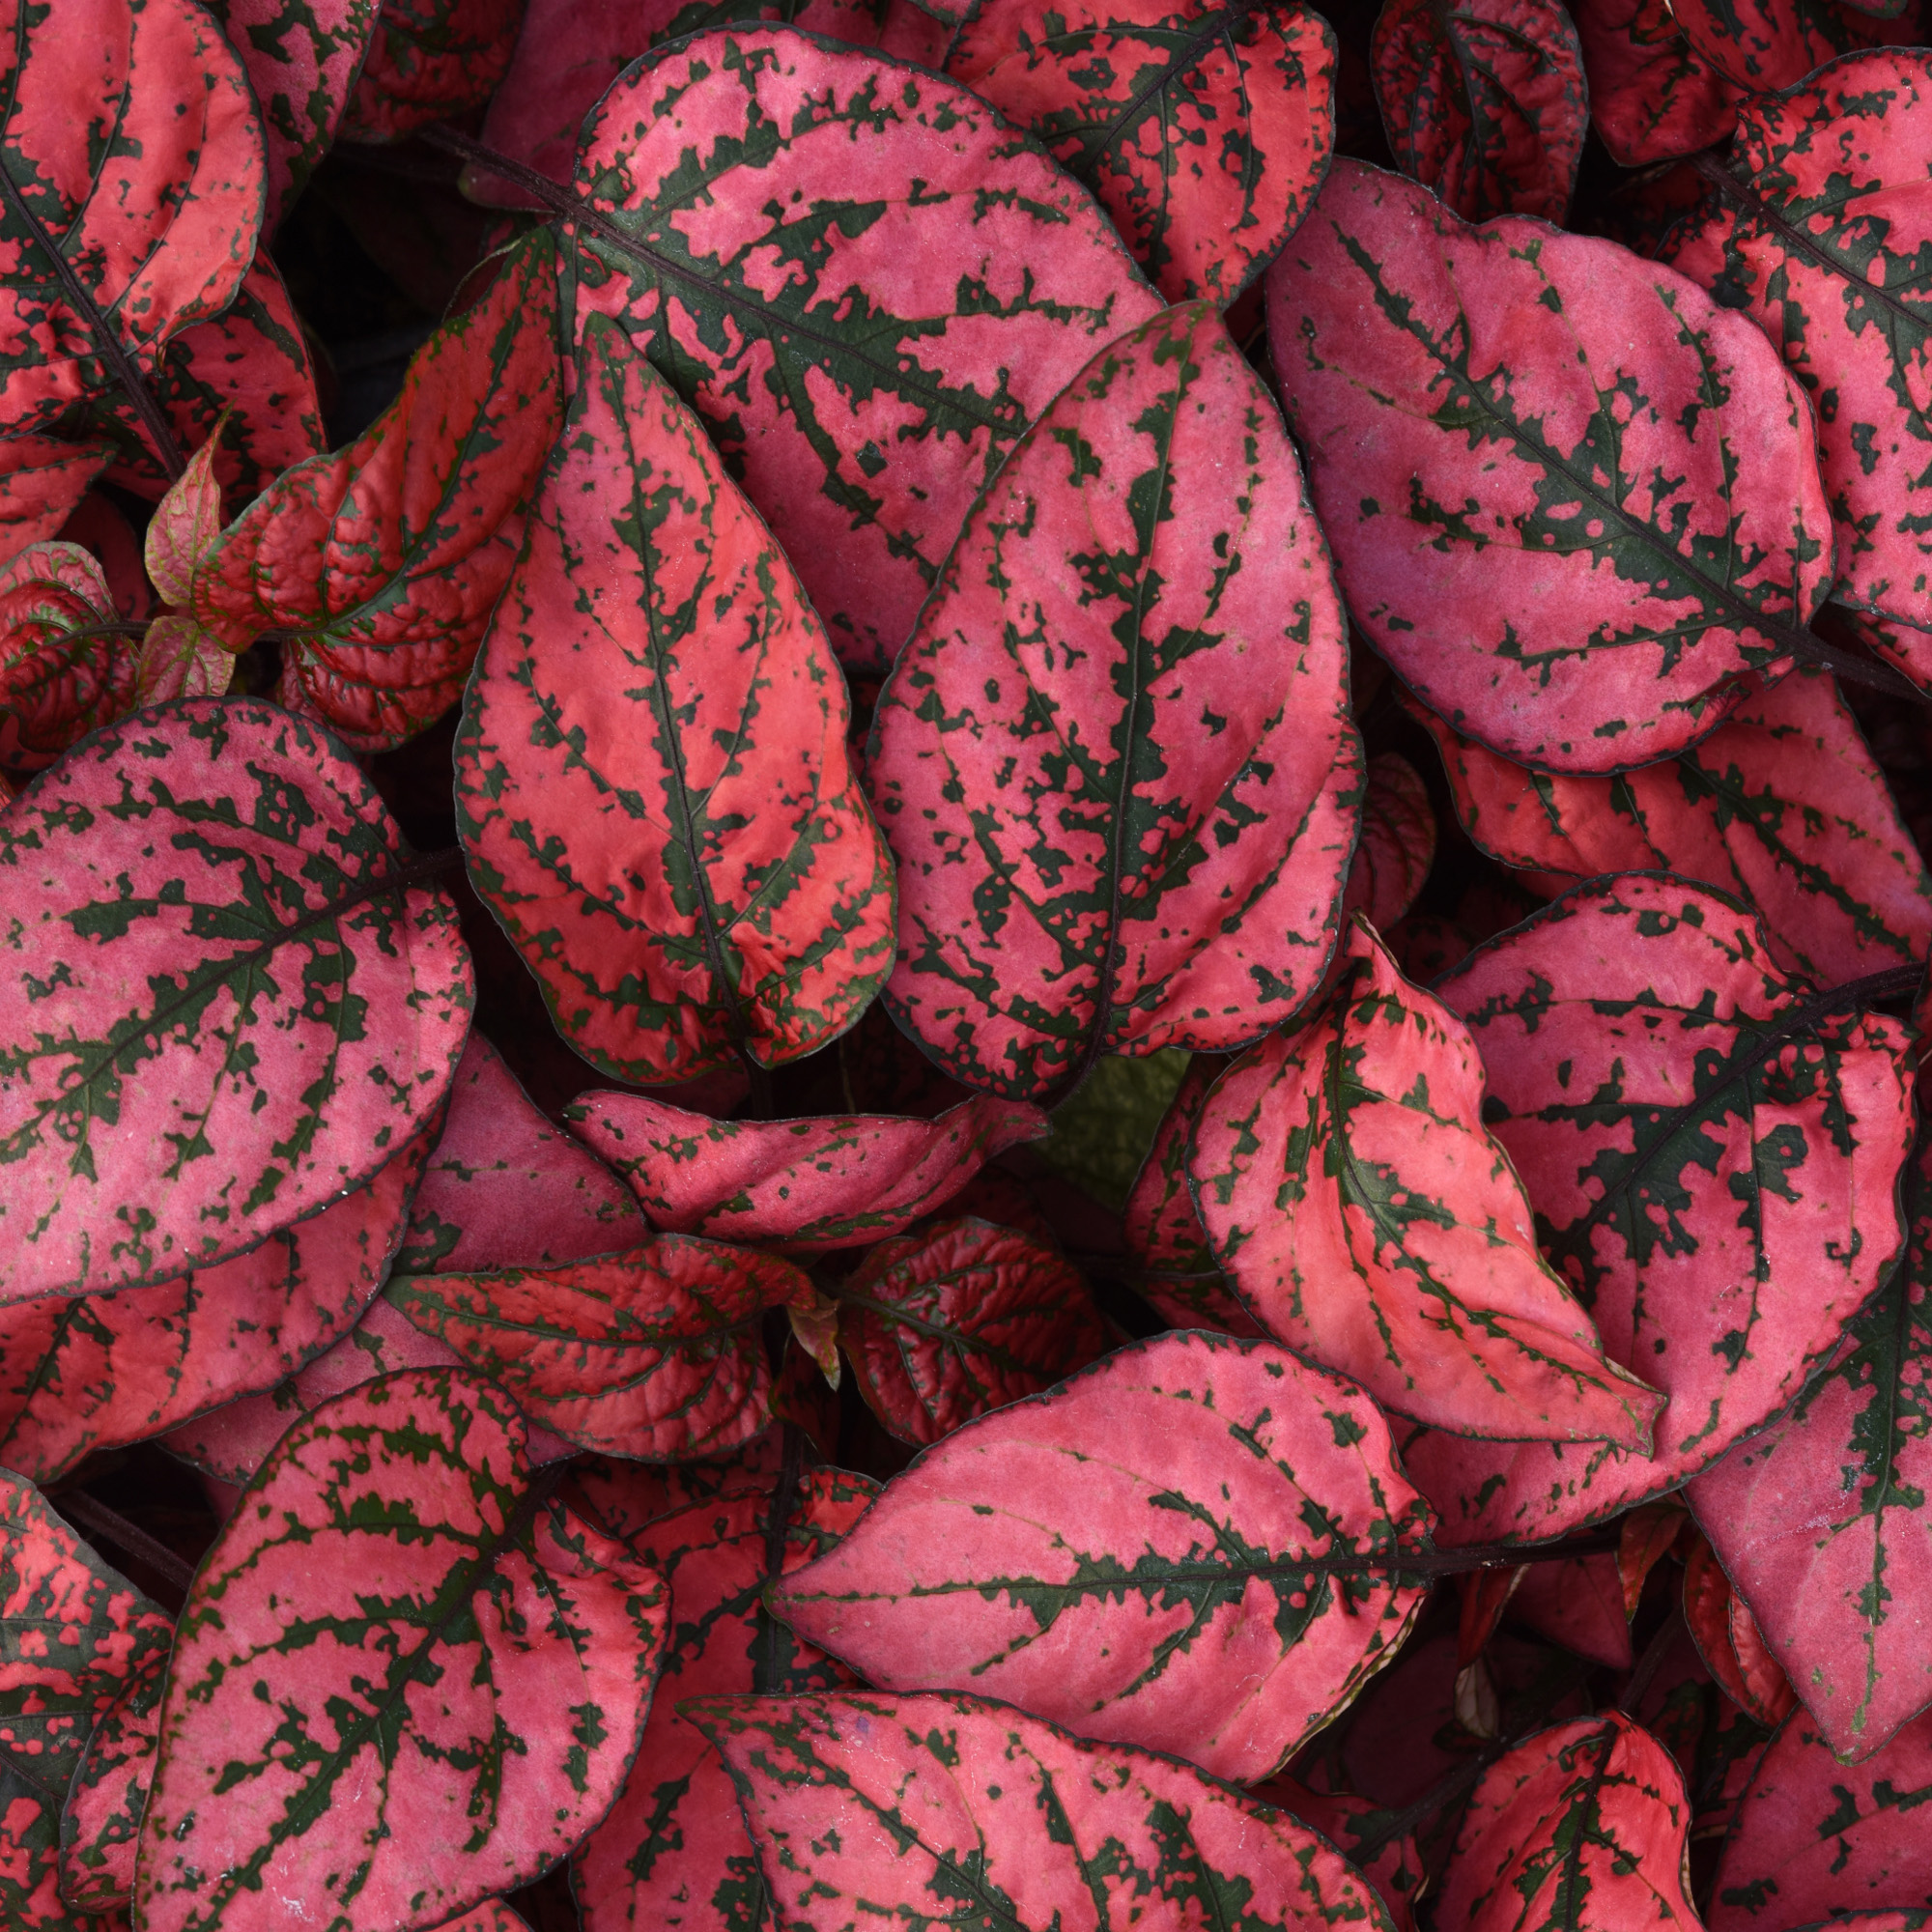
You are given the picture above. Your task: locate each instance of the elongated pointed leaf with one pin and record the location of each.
(1818, 233)
(1580, 1830)
(184, 528)
(429, 60)
(1822, 1520)
(504, 1188)
(72, 1634)
(131, 140)
(405, 1679)
(1572, 532)
(303, 58)
(42, 482)
(654, 1352)
(1163, 865)
(1485, 103)
(1204, 129)
(652, 784)
(1714, 1163)
(674, 1849)
(1398, 842)
(866, 393)
(1191, 1546)
(1783, 806)
(1814, 1839)
(1728, 1640)
(101, 1821)
(63, 670)
(833, 1181)
(84, 1373)
(945, 1325)
(1367, 1219)
(232, 1003)
(387, 558)
(916, 1802)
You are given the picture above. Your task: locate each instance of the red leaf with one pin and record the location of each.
(1728, 1641)
(675, 1850)
(1181, 1280)
(654, 1352)
(102, 1817)
(253, 984)
(1577, 1604)
(1582, 1828)
(131, 141)
(429, 60)
(1187, 1547)
(405, 1679)
(944, 1326)
(1783, 806)
(1369, 1220)
(1164, 867)
(1204, 129)
(87, 1372)
(621, 1497)
(63, 670)
(387, 557)
(868, 395)
(1814, 1839)
(905, 1805)
(1719, 1194)
(1574, 600)
(1761, 46)
(71, 1634)
(1397, 843)
(41, 483)
(1645, 1537)
(832, 1182)
(505, 1189)
(1393, 1866)
(1650, 96)
(1483, 103)
(1821, 215)
(652, 785)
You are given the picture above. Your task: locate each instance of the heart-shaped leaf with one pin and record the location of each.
(913, 1805)
(943, 281)
(73, 1634)
(944, 1326)
(429, 59)
(1580, 1830)
(85, 1373)
(652, 784)
(1114, 761)
(386, 559)
(1651, 97)
(1572, 500)
(1369, 1220)
(1712, 1157)
(1397, 846)
(674, 1848)
(66, 667)
(836, 1181)
(1817, 229)
(101, 1820)
(132, 196)
(405, 1679)
(1485, 101)
(41, 483)
(1194, 1546)
(1203, 128)
(1814, 1839)
(654, 1352)
(1783, 806)
(252, 1004)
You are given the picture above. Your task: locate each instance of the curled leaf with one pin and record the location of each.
(65, 667)
(1727, 1640)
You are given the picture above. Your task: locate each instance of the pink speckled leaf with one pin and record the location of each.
(836, 1181)
(1194, 1546)
(652, 784)
(1580, 1830)
(386, 559)
(675, 1850)
(64, 668)
(1367, 1219)
(1204, 129)
(943, 1325)
(1712, 1156)
(1485, 101)
(654, 1352)
(428, 60)
(1397, 846)
(1572, 500)
(405, 1679)
(621, 1497)
(1783, 806)
(908, 1806)
(41, 483)
(1762, 46)
(233, 999)
(131, 146)
(1164, 867)
(101, 1820)
(73, 1634)
(870, 298)
(1652, 97)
